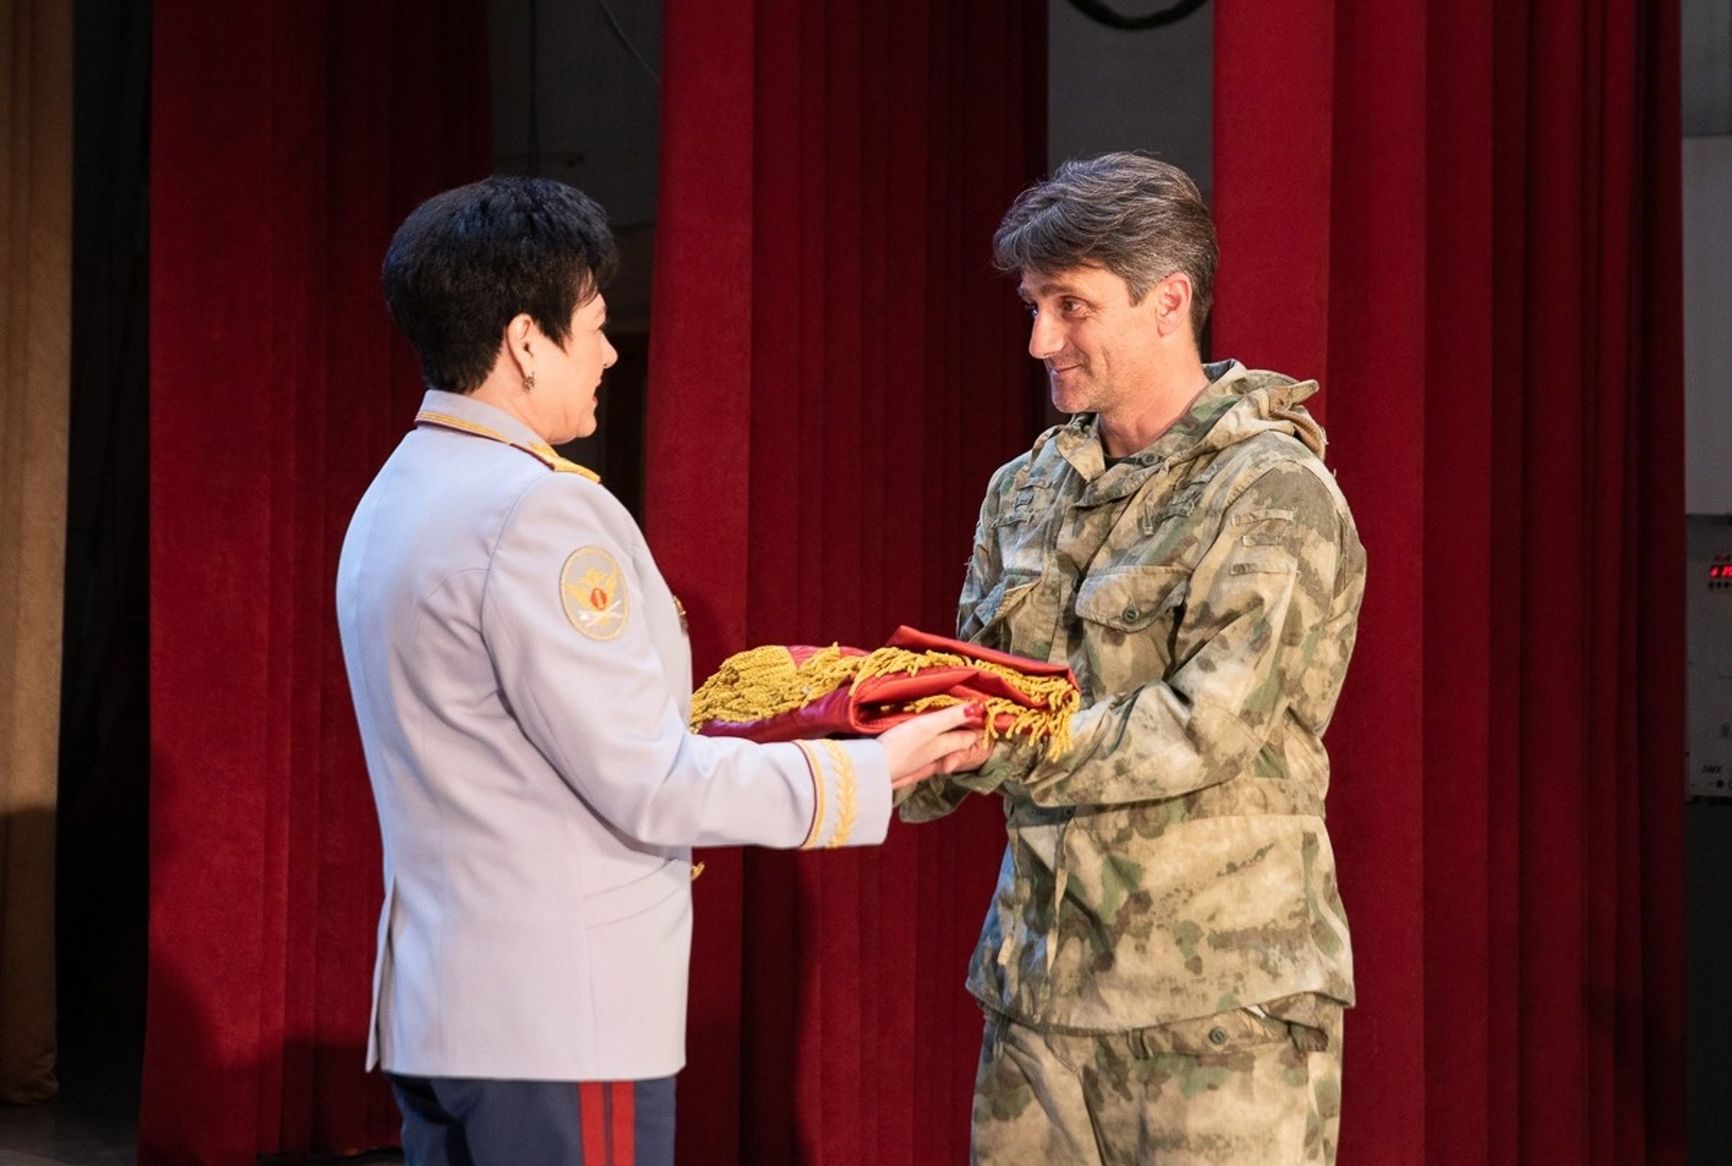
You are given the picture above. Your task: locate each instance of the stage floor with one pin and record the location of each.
(94, 1121)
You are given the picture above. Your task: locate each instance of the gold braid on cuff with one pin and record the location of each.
(819, 782)
(846, 788)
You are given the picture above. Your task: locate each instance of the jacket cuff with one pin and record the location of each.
(850, 793)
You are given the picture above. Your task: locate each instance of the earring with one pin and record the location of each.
(529, 383)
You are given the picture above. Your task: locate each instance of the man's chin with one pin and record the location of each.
(1068, 391)
(1070, 403)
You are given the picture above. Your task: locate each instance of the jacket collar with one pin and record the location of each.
(465, 414)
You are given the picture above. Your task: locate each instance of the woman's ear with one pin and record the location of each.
(521, 336)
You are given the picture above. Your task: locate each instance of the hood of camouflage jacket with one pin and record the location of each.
(1241, 403)
(1238, 405)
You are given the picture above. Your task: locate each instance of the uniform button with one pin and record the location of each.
(1217, 1036)
(1131, 614)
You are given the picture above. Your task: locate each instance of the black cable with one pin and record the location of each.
(613, 23)
(1099, 11)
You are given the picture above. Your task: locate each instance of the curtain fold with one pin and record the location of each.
(835, 372)
(287, 144)
(35, 356)
(1480, 259)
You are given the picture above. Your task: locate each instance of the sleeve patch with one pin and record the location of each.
(592, 590)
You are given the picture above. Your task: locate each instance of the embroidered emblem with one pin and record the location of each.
(593, 593)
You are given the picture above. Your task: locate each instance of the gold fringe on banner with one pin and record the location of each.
(760, 683)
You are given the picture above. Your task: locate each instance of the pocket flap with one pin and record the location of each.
(1129, 599)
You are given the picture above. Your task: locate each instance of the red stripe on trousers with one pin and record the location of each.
(592, 1104)
(624, 1123)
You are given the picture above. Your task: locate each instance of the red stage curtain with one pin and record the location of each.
(288, 141)
(835, 372)
(1463, 216)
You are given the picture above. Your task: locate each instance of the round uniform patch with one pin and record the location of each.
(592, 591)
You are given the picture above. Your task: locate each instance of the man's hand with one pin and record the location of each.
(937, 742)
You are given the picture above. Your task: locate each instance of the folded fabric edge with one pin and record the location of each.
(760, 684)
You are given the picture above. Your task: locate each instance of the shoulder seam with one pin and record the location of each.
(1262, 468)
(505, 524)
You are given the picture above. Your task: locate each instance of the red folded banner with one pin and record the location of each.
(778, 693)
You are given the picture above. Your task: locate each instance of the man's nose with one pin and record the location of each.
(1045, 338)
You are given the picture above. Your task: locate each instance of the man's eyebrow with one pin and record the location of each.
(1051, 287)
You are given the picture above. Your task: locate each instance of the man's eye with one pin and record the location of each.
(1071, 307)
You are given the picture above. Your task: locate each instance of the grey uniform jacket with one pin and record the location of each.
(521, 677)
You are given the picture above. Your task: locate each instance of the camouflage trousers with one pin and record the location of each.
(1239, 1087)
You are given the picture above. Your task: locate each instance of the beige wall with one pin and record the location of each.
(35, 325)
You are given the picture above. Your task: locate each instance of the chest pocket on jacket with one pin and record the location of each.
(1129, 615)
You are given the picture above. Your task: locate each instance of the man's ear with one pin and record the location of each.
(521, 336)
(1172, 296)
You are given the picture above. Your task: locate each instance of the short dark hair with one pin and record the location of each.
(1140, 218)
(465, 262)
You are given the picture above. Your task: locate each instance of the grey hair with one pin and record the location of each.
(1140, 218)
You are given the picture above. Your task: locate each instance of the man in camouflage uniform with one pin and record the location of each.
(1166, 959)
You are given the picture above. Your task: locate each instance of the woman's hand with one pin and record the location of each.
(947, 741)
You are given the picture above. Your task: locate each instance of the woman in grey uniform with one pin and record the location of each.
(521, 677)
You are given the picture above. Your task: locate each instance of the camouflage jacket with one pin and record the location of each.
(1173, 861)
